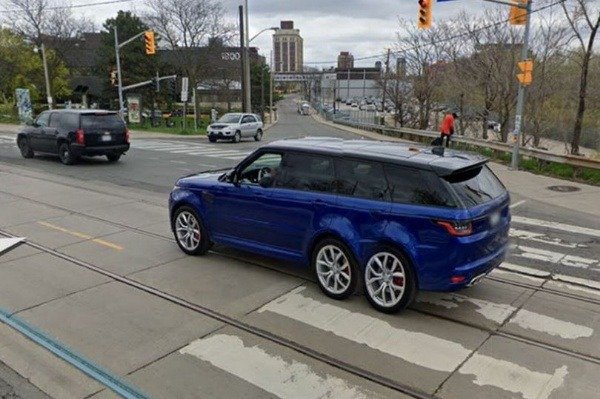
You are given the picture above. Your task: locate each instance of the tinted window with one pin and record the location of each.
(101, 121)
(230, 118)
(360, 179)
(413, 186)
(42, 120)
(55, 120)
(70, 121)
(307, 173)
(266, 164)
(476, 186)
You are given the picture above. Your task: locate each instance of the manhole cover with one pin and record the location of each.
(564, 189)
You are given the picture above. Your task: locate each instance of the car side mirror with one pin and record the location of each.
(232, 177)
(266, 182)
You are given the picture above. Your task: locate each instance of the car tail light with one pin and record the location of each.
(127, 136)
(79, 137)
(457, 279)
(457, 229)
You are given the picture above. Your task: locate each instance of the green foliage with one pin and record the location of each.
(256, 70)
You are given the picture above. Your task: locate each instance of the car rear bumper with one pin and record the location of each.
(79, 150)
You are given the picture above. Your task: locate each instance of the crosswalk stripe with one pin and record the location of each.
(543, 238)
(215, 153)
(555, 257)
(434, 353)
(556, 226)
(269, 372)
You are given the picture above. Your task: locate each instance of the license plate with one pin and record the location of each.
(494, 219)
(106, 138)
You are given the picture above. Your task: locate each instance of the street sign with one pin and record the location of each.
(24, 104)
(133, 109)
(184, 89)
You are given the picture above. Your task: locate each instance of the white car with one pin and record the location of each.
(236, 126)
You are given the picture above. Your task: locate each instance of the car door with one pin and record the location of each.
(300, 202)
(245, 126)
(36, 133)
(237, 211)
(49, 136)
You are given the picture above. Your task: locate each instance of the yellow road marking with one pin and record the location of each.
(82, 235)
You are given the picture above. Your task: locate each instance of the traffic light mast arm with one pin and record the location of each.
(508, 3)
(126, 42)
(148, 82)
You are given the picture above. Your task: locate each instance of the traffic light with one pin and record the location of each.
(150, 43)
(526, 72)
(425, 16)
(518, 15)
(173, 88)
(113, 77)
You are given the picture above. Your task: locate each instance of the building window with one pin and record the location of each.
(293, 67)
(285, 54)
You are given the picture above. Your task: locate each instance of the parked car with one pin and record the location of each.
(235, 126)
(354, 104)
(73, 133)
(304, 109)
(393, 218)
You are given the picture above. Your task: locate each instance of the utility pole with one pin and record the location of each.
(262, 92)
(385, 78)
(248, 92)
(522, 92)
(119, 78)
(47, 77)
(271, 90)
(243, 58)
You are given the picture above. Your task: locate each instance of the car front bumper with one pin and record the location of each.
(220, 134)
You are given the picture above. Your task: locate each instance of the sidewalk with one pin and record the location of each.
(522, 183)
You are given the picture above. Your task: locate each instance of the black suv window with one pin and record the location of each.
(476, 186)
(55, 119)
(42, 120)
(101, 121)
(307, 173)
(361, 179)
(414, 186)
(70, 121)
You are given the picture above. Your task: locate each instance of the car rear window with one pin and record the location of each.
(476, 186)
(101, 121)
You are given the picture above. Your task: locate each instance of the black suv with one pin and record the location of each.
(74, 133)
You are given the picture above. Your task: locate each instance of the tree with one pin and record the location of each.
(136, 66)
(584, 19)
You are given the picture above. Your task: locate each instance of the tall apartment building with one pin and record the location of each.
(345, 60)
(288, 49)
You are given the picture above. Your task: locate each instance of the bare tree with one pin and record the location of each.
(584, 19)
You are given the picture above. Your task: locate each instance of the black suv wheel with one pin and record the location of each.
(66, 155)
(24, 147)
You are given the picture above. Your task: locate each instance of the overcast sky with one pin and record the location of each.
(363, 27)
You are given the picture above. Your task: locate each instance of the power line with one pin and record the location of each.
(457, 36)
(98, 3)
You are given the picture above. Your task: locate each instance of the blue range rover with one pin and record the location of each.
(385, 217)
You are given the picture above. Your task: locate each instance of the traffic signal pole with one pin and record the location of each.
(118, 58)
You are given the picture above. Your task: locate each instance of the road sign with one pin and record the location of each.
(24, 104)
(184, 89)
(133, 109)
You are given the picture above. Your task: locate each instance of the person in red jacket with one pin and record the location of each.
(447, 127)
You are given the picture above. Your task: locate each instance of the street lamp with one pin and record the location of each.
(273, 28)
(42, 48)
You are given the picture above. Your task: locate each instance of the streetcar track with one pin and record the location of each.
(314, 354)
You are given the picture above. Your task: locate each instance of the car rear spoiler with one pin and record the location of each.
(449, 167)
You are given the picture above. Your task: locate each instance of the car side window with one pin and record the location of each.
(362, 179)
(55, 119)
(413, 186)
(307, 172)
(42, 120)
(70, 121)
(267, 164)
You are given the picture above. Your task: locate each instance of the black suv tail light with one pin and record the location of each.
(457, 229)
(127, 136)
(80, 137)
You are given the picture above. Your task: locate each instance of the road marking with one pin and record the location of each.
(549, 325)
(516, 204)
(7, 244)
(512, 377)
(556, 285)
(82, 235)
(433, 353)
(496, 312)
(555, 257)
(501, 273)
(576, 280)
(525, 270)
(271, 373)
(556, 226)
(543, 238)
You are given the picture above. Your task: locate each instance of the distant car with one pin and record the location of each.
(235, 126)
(354, 104)
(73, 133)
(348, 102)
(383, 217)
(304, 109)
(370, 108)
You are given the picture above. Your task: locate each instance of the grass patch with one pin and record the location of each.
(173, 125)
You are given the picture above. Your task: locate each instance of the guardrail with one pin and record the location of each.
(427, 136)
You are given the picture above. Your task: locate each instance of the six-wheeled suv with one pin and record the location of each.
(390, 218)
(234, 127)
(74, 133)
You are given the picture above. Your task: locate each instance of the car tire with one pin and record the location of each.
(113, 157)
(25, 148)
(189, 231)
(212, 139)
(335, 269)
(237, 137)
(389, 281)
(66, 155)
(258, 135)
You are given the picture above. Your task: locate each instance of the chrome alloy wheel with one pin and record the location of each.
(333, 269)
(385, 279)
(187, 230)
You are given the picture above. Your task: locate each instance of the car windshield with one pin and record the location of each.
(101, 121)
(230, 118)
(477, 186)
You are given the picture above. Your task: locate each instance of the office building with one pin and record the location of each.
(288, 49)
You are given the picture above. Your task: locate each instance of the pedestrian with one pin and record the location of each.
(447, 127)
